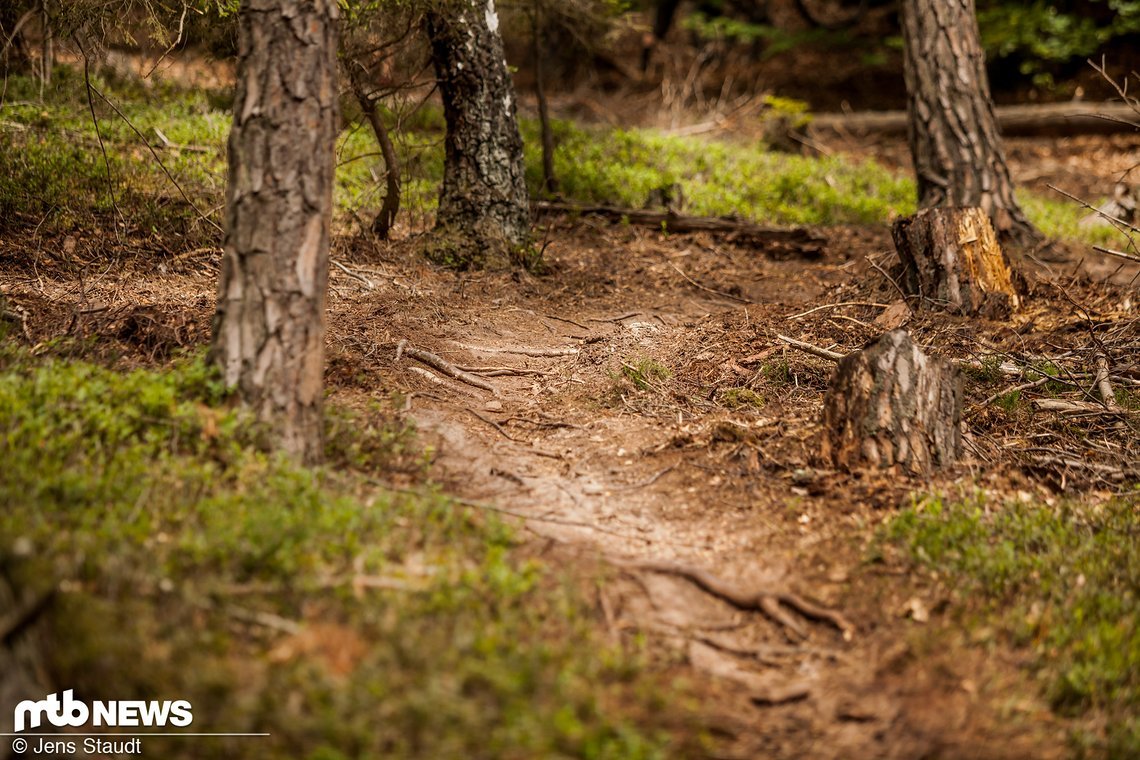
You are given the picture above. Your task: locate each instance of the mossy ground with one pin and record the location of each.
(58, 177)
(1061, 581)
(344, 619)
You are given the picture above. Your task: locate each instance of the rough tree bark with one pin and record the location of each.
(953, 134)
(484, 209)
(952, 261)
(889, 405)
(269, 327)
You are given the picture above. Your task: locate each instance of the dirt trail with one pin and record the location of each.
(602, 468)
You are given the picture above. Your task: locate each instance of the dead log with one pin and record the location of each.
(1051, 119)
(799, 240)
(892, 405)
(952, 261)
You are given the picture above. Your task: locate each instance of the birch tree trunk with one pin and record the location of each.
(484, 209)
(953, 133)
(269, 327)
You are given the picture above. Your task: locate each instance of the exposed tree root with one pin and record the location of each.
(763, 600)
(447, 368)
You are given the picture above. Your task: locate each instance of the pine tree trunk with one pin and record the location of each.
(484, 209)
(952, 261)
(953, 133)
(270, 326)
(891, 405)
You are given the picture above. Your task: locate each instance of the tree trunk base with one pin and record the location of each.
(952, 261)
(891, 405)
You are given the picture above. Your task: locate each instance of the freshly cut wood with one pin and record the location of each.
(806, 242)
(1071, 118)
(952, 261)
(892, 405)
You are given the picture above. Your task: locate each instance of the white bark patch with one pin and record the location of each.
(492, 17)
(307, 256)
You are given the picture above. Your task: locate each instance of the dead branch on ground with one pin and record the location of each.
(801, 240)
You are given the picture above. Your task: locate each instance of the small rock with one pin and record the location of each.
(803, 477)
(493, 406)
(916, 610)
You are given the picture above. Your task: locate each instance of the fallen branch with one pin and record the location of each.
(620, 318)
(495, 425)
(523, 351)
(1014, 389)
(765, 601)
(805, 241)
(1051, 119)
(367, 283)
(1073, 407)
(264, 619)
(429, 376)
(168, 145)
(503, 371)
(449, 369)
(1103, 384)
(1118, 254)
(707, 289)
(803, 314)
(822, 353)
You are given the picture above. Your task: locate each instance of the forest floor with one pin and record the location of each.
(667, 423)
(644, 411)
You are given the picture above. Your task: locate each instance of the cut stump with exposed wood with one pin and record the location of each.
(892, 405)
(952, 261)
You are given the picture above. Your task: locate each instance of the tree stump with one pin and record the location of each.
(951, 258)
(889, 405)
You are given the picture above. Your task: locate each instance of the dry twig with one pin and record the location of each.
(822, 353)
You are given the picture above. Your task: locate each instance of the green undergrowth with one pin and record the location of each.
(345, 620)
(57, 176)
(1061, 581)
(721, 178)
